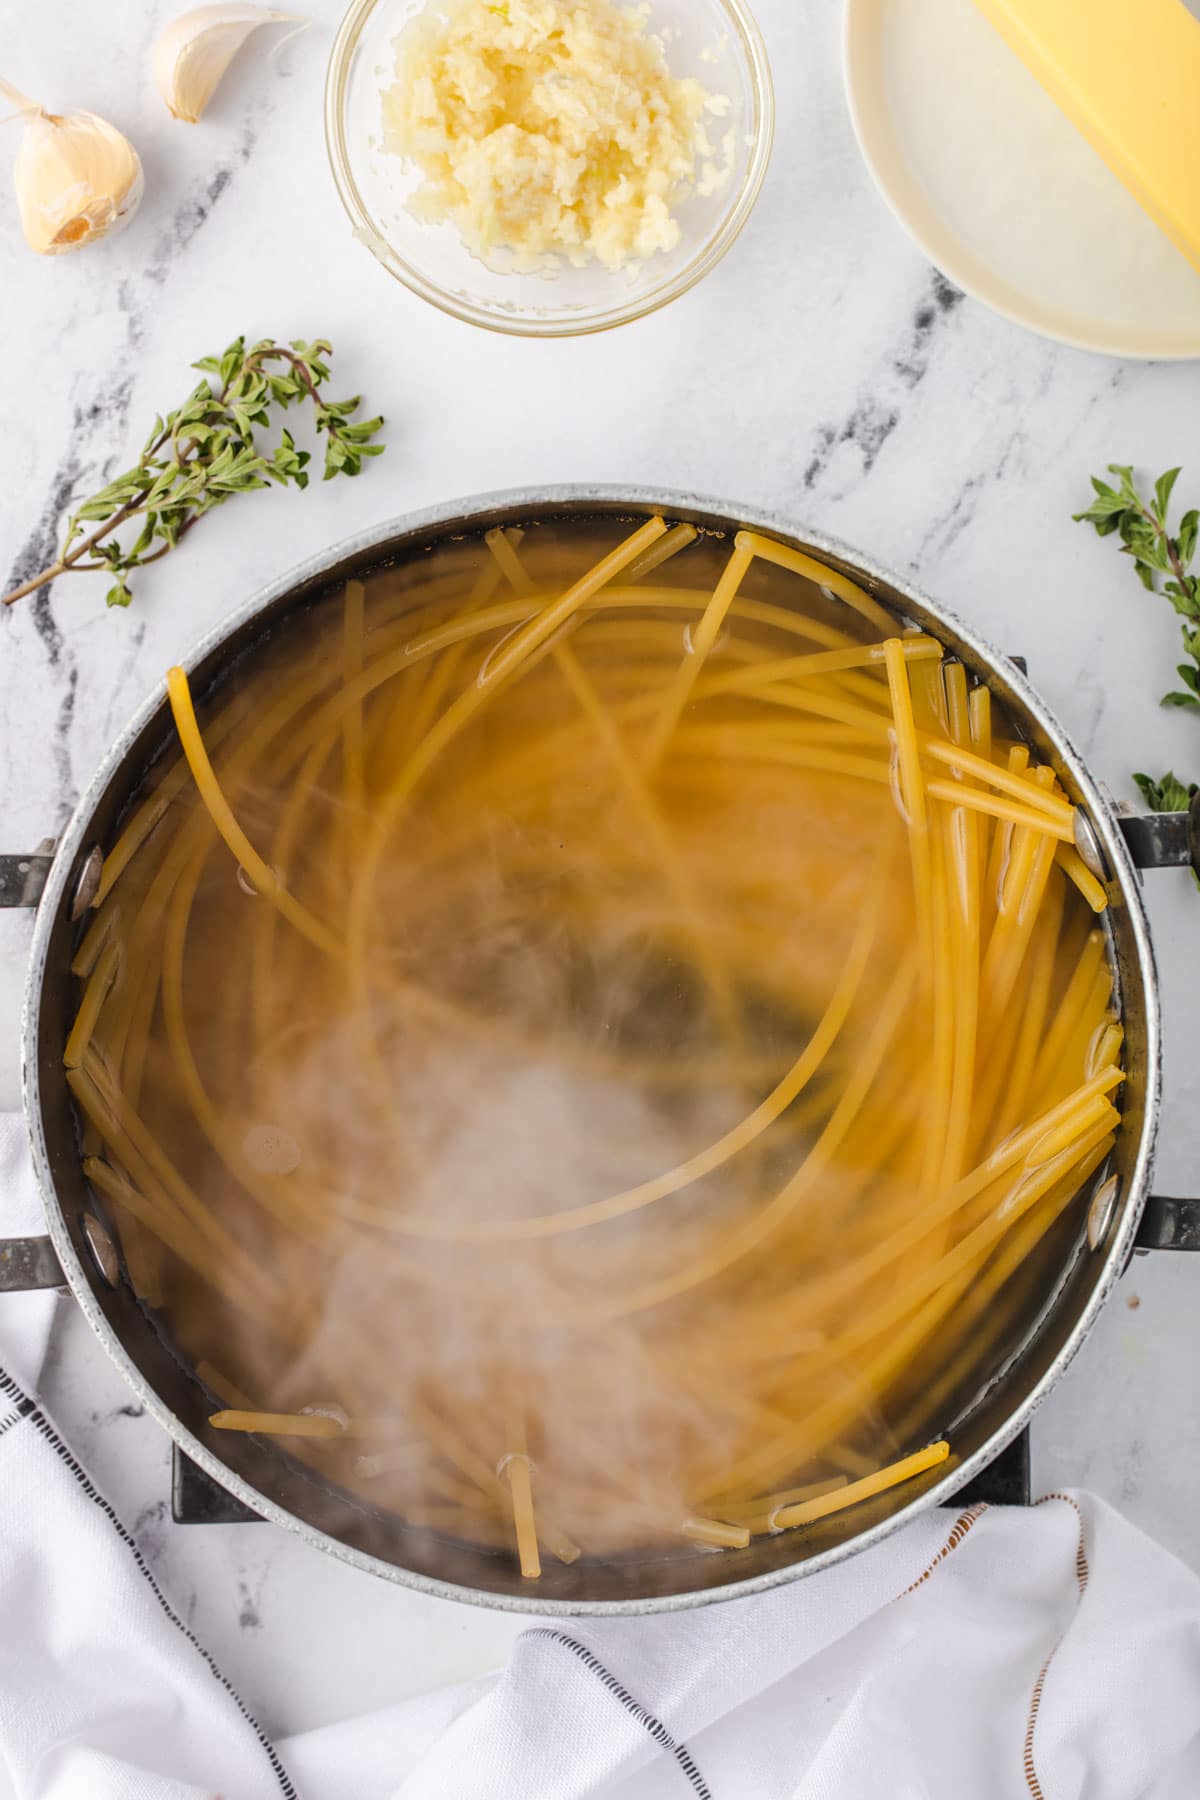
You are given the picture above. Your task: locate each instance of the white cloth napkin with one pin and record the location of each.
(997, 1654)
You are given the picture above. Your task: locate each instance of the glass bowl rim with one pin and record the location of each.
(601, 318)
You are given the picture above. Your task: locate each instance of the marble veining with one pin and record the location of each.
(877, 411)
(823, 369)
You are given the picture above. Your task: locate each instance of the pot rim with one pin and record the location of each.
(638, 499)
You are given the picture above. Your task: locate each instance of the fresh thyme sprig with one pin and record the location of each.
(204, 452)
(1146, 537)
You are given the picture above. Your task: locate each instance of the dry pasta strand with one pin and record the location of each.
(699, 649)
(716, 1534)
(309, 1425)
(264, 879)
(1073, 865)
(808, 1511)
(786, 558)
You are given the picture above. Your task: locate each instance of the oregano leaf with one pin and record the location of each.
(1145, 532)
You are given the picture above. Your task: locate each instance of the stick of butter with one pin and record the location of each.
(1127, 74)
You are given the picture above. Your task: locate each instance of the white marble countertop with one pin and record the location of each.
(824, 369)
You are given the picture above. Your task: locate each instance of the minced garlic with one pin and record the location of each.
(550, 127)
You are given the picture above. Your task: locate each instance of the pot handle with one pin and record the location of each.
(1167, 841)
(22, 878)
(1169, 1225)
(28, 1263)
(1164, 840)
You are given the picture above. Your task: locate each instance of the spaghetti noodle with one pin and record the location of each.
(583, 1031)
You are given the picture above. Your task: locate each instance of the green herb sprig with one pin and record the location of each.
(1162, 560)
(204, 453)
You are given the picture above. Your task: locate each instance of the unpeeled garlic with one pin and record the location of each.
(77, 177)
(195, 50)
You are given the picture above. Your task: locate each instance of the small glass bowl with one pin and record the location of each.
(717, 41)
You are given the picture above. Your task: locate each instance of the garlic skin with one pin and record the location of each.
(195, 50)
(77, 177)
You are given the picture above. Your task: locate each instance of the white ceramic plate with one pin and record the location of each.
(1000, 190)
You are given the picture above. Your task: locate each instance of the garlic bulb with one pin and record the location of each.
(195, 50)
(77, 177)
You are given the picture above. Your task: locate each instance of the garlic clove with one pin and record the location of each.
(195, 50)
(77, 177)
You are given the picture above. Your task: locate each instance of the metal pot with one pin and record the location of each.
(82, 1244)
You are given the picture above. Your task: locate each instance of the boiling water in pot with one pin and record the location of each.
(597, 1042)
